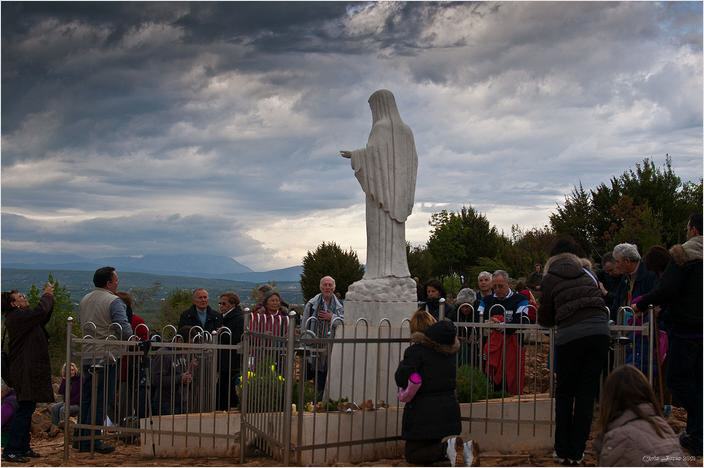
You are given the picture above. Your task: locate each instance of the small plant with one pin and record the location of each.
(267, 384)
(309, 393)
(473, 385)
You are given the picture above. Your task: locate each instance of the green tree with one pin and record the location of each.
(484, 264)
(636, 224)
(56, 327)
(590, 217)
(420, 262)
(173, 305)
(458, 240)
(328, 259)
(576, 219)
(537, 243)
(452, 284)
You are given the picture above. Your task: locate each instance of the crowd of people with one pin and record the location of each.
(566, 294)
(581, 304)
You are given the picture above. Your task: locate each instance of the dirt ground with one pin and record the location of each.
(51, 449)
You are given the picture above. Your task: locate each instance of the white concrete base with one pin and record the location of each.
(192, 445)
(360, 376)
(337, 428)
(533, 432)
(374, 312)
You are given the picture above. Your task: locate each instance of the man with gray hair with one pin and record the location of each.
(505, 364)
(636, 280)
(511, 306)
(318, 315)
(199, 314)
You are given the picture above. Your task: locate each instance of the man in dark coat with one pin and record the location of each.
(609, 277)
(681, 289)
(434, 412)
(229, 364)
(30, 368)
(535, 277)
(636, 279)
(200, 314)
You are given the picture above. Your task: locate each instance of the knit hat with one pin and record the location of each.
(268, 294)
(466, 295)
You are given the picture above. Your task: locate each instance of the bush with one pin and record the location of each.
(266, 381)
(308, 393)
(328, 259)
(173, 305)
(473, 385)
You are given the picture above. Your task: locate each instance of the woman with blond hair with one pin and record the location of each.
(420, 321)
(73, 400)
(431, 418)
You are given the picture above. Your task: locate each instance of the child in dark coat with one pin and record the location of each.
(433, 413)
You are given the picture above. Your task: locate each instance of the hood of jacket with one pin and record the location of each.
(690, 250)
(440, 337)
(628, 415)
(565, 266)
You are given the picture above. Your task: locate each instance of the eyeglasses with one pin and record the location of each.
(222, 303)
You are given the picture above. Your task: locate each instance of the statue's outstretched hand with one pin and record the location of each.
(346, 154)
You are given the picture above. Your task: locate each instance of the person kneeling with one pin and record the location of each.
(432, 416)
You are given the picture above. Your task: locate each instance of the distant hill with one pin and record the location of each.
(80, 283)
(205, 266)
(196, 266)
(285, 274)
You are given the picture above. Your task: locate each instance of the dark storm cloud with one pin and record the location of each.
(235, 112)
(129, 235)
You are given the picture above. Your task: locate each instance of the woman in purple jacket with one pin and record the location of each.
(57, 410)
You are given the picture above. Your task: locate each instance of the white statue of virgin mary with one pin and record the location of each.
(386, 169)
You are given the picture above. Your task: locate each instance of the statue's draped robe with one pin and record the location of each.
(386, 169)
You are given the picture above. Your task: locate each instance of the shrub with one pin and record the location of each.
(473, 385)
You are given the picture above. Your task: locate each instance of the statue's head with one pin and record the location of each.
(383, 105)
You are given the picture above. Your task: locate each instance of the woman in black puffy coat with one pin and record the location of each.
(434, 413)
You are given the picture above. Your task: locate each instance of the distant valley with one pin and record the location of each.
(78, 283)
(191, 265)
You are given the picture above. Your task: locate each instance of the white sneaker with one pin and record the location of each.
(557, 459)
(471, 453)
(455, 451)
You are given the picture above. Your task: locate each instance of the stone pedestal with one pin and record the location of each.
(365, 371)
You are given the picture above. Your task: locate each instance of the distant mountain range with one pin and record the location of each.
(191, 265)
(79, 283)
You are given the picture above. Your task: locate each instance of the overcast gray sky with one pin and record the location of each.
(214, 128)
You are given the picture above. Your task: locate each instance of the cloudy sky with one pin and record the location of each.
(214, 128)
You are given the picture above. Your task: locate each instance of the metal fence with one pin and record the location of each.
(316, 392)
